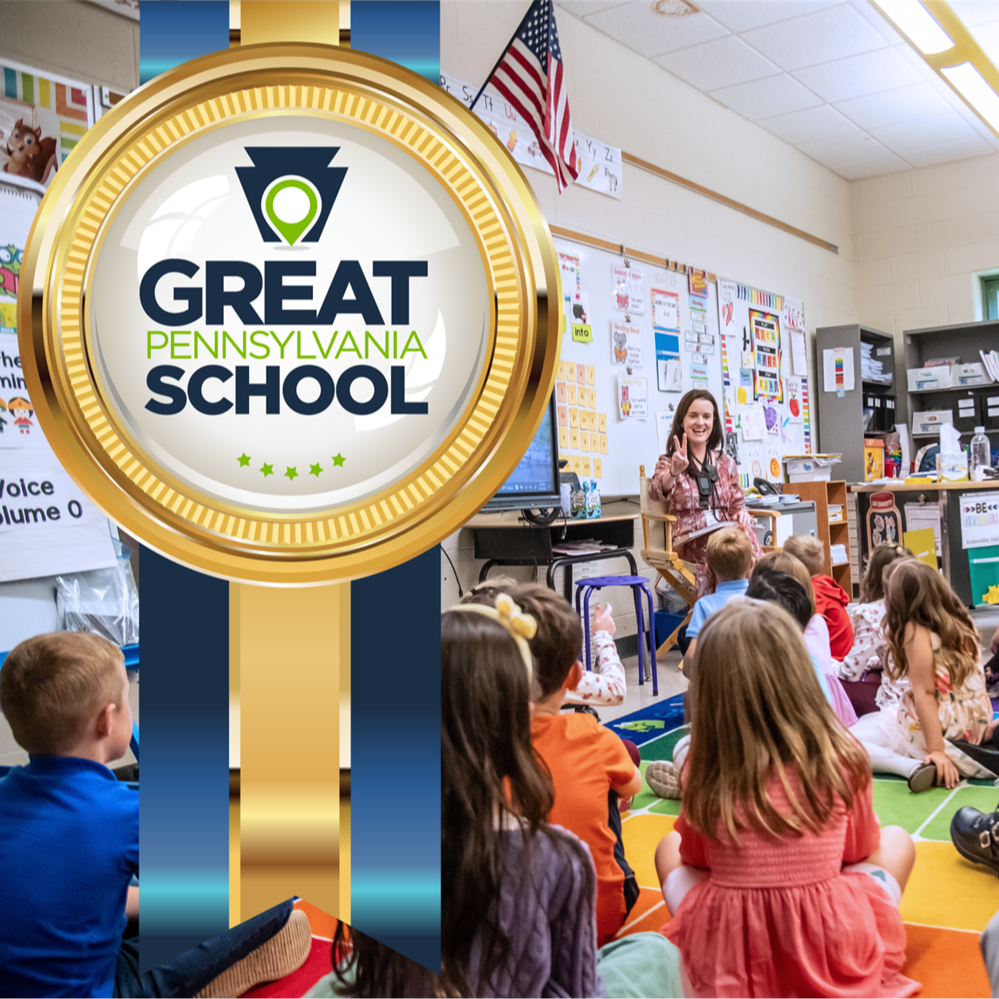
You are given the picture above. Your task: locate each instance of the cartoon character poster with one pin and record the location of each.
(884, 522)
(633, 398)
(765, 340)
(41, 120)
(626, 344)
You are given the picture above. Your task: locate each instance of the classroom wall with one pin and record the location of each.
(920, 238)
(627, 101)
(72, 38)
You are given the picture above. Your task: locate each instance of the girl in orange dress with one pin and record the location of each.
(778, 877)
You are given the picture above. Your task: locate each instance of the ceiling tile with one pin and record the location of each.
(873, 16)
(744, 15)
(871, 168)
(857, 76)
(843, 148)
(766, 98)
(938, 130)
(633, 24)
(894, 106)
(820, 37)
(721, 63)
(583, 7)
(949, 153)
(808, 126)
(975, 12)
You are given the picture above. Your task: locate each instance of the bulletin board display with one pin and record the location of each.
(635, 339)
(764, 372)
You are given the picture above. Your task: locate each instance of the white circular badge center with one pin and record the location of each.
(289, 315)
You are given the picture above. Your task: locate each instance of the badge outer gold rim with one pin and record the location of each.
(349, 541)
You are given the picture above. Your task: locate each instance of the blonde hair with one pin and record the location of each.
(758, 713)
(52, 685)
(809, 550)
(916, 593)
(785, 562)
(729, 553)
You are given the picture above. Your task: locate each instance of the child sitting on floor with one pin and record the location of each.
(519, 917)
(69, 845)
(816, 633)
(730, 557)
(869, 651)
(830, 598)
(589, 764)
(778, 878)
(934, 643)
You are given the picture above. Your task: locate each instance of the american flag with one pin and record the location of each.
(531, 78)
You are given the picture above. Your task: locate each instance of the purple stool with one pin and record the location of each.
(639, 585)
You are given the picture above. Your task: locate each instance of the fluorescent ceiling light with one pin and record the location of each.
(973, 88)
(916, 22)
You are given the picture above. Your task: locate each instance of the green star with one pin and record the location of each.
(244, 460)
(339, 459)
(267, 470)
(291, 473)
(315, 470)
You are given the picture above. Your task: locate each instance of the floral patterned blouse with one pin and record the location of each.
(683, 502)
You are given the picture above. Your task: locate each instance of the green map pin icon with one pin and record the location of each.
(291, 229)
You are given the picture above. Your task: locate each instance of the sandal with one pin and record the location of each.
(922, 778)
(662, 777)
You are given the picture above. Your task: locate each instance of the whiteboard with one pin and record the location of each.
(632, 441)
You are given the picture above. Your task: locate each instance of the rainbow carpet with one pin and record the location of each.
(946, 904)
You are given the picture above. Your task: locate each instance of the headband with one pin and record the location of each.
(520, 625)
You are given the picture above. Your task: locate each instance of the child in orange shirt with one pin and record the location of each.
(589, 764)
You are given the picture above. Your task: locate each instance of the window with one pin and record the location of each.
(990, 297)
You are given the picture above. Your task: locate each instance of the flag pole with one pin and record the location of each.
(471, 107)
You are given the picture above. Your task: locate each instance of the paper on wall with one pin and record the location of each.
(794, 314)
(752, 422)
(799, 359)
(837, 370)
(726, 302)
(665, 310)
(626, 344)
(47, 525)
(664, 423)
(633, 398)
(635, 283)
(774, 469)
(795, 410)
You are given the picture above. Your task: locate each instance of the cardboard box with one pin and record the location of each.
(929, 422)
(803, 470)
(874, 459)
(925, 379)
(969, 374)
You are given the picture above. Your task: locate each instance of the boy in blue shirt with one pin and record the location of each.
(730, 557)
(69, 845)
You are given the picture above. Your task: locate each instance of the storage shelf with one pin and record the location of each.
(954, 388)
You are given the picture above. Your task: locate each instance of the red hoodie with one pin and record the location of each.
(830, 601)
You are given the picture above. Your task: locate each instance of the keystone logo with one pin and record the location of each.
(291, 204)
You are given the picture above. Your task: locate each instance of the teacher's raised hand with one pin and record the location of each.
(679, 460)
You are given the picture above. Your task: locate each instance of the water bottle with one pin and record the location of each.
(980, 452)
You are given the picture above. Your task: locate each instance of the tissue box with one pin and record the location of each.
(953, 466)
(969, 374)
(929, 422)
(925, 379)
(874, 459)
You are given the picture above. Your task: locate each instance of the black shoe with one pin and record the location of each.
(976, 836)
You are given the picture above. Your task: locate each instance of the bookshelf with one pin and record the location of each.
(963, 341)
(824, 494)
(841, 420)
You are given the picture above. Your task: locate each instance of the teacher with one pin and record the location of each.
(699, 484)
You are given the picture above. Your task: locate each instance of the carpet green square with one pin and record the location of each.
(983, 798)
(896, 805)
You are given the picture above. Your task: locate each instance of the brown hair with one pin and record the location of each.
(52, 685)
(785, 562)
(715, 438)
(809, 550)
(758, 714)
(917, 594)
(558, 642)
(872, 586)
(729, 553)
